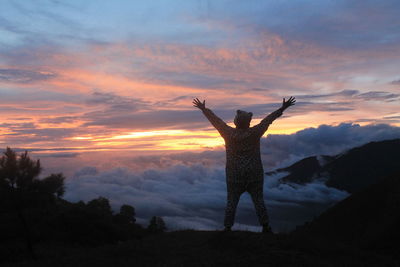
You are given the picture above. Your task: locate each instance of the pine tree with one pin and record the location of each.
(22, 190)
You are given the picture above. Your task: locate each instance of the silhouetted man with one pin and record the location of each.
(244, 170)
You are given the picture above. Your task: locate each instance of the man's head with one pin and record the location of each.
(242, 119)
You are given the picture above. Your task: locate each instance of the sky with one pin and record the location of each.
(99, 88)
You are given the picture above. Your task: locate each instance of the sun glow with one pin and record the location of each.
(163, 139)
(154, 140)
(147, 134)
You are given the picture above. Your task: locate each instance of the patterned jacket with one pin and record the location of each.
(243, 158)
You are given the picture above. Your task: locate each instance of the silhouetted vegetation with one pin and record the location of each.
(126, 214)
(24, 194)
(33, 212)
(156, 225)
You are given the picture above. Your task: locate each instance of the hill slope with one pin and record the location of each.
(202, 248)
(369, 218)
(351, 171)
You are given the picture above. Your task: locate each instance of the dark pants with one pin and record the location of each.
(235, 190)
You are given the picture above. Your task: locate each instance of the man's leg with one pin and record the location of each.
(255, 190)
(234, 192)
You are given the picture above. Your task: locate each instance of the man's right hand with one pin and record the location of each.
(198, 104)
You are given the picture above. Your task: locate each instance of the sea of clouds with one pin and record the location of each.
(188, 189)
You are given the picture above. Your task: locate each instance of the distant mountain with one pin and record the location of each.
(369, 218)
(304, 171)
(351, 171)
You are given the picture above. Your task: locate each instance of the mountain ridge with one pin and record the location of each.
(369, 218)
(352, 170)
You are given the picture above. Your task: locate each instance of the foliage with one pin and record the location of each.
(126, 215)
(33, 212)
(21, 186)
(100, 206)
(23, 193)
(128, 212)
(156, 225)
(88, 224)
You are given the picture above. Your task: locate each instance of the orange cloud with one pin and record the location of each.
(250, 73)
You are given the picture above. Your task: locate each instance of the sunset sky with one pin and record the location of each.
(85, 81)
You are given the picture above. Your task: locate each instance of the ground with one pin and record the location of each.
(210, 248)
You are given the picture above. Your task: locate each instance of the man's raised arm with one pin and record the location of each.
(264, 124)
(217, 122)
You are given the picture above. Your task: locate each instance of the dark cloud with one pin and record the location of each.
(60, 119)
(395, 82)
(345, 93)
(210, 80)
(303, 107)
(395, 117)
(165, 119)
(194, 79)
(379, 96)
(182, 97)
(193, 119)
(19, 126)
(21, 149)
(385, 120)
(31, 133)
(58, 155)
(31, 100)
(116, 102)
(24, 76)
(173, 101)
(22, 119)
(355, 94)
(118, 111)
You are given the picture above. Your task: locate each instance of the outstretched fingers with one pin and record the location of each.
(198, 104)
(291, 101)
(287, 103)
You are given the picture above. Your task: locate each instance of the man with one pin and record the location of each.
(244, 170)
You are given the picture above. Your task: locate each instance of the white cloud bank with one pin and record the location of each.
(191, 192)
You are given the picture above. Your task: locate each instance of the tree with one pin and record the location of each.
(22, 190)
(18, 172)
(100, 206)
(156, 225)
(53, 185)
(128, 213)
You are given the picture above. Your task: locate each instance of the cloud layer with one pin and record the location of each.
(194, 196)
(189, 189)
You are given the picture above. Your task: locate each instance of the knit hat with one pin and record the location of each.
(242, 119)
